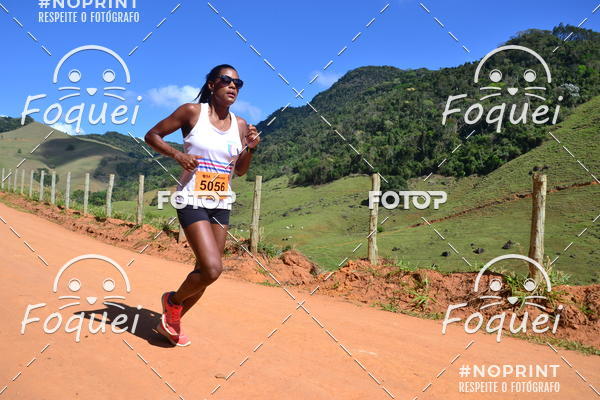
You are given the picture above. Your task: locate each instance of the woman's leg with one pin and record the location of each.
(220, 234)
(208, 251)
(208, 261)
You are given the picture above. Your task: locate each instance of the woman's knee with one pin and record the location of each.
(209, 270)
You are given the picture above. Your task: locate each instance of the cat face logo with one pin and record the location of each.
(496, 285)
(515, 112)
(116, 281)
(108, 76)
(542, 323)
(93, 114)
(497, 76)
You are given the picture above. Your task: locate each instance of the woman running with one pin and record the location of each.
(216, 144)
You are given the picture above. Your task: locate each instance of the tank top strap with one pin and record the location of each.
(199, 123)
(233, 119)
(203, 112)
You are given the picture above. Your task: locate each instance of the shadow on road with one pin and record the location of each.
(125, 318)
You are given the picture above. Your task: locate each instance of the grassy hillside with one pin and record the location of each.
(578, 133)
(327, 222)
(60, 152)
(98, 155)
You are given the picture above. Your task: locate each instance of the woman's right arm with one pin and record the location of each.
(179, 119)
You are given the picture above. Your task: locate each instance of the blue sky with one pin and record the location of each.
(297, 38)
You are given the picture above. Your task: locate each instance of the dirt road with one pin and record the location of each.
(245, 344)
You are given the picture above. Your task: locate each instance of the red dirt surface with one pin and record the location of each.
(248, 341)
(403, 290)
(425, 293)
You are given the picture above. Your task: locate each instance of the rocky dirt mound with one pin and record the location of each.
(291, 268)
(428, 293)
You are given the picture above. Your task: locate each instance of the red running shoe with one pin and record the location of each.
(176, 340)
(171, 317)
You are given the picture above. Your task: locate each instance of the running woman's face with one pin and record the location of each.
(226, 93)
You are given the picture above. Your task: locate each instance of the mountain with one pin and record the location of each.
(394, 117)
(99, 155)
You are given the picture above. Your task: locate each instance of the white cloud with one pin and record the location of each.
(325, 79)
(172, 96)
(253, 113)
(67, 128)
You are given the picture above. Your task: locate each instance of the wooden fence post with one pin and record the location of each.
(254, 225)
(538, 217)
(181, 237)
(53, 188)
(111, 183)
(22, 182)
(8, 180)
(68, 191)
(42, 174)
(31, 183)
(372, 248)
(2, 187)
(15, 183)
(140, 203)
(86, 193)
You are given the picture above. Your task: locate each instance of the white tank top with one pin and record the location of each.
(217, 153)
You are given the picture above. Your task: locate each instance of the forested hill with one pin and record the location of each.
(8, 124)
(394, 117)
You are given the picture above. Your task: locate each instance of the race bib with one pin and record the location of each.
(211, 183)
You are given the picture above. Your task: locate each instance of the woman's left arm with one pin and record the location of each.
(250, 138)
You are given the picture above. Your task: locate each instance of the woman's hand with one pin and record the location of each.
(189, 162)
(252, 137)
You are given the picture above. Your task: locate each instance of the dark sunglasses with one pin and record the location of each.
(227, 80)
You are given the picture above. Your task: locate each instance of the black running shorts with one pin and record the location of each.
(188, 215)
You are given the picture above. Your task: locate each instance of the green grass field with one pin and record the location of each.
(327, 222)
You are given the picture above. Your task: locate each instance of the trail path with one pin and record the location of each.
(299, 361)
